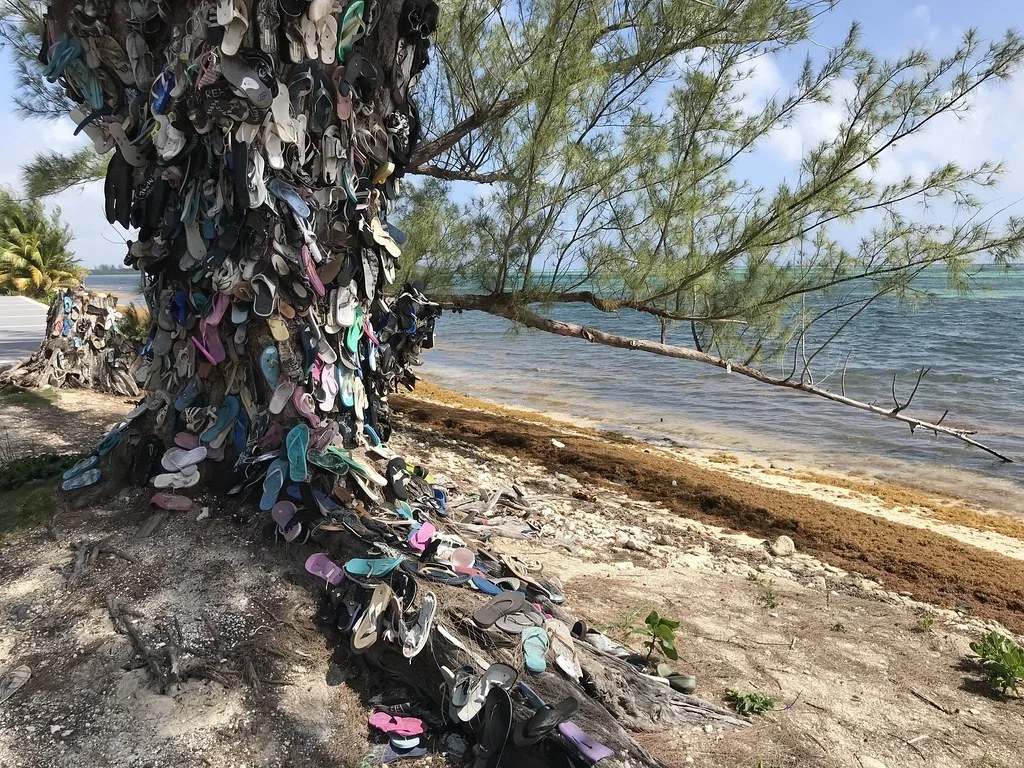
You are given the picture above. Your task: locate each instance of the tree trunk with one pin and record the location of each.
(256, 276)
(82, 346)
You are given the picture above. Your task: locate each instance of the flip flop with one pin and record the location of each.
(11, 682)
(367, 629)
(591, 750)
(86, 463)
(82, 480)
(373, 568)
(273, 483)
(562, 648)
(320, 565)
(544, 722)
(517, 623)
(399, 726)
(171, 502)
(296, 443)
(500, 605)
(535, 648)
(436, 572)
(500, 675)
(270, 365)
(414, 638)
(282, 394)
(177, 459)
(419, 538)
(495, 728)
(227, 413)
(180, 479)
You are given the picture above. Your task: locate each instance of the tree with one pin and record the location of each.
(34, 254)
(611, 139)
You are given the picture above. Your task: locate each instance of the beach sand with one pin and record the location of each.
(861, 635)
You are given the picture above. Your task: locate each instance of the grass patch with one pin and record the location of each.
(29, 397)
(26, 507)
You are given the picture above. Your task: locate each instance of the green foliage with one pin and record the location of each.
(49, 173)
(34, 254)
(925, 625)
(661, 637)
(134, 324)
(1002, 660)
(749, 702)
(27, 506)
(20, 471)
(768, 598)
(21, 23)
(838, 627)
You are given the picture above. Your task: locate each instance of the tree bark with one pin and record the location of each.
(80, 349)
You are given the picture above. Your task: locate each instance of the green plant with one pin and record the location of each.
(661, 636)
(768, 598)
(749, 702)
(1002, 660)
(19, 471)
(34, 254)
(924, 626)
(838, 627)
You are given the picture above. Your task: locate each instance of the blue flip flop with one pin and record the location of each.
(240, 433)
(270, 364)
(272, 483)
(226, 416)
(486, 586)
(535, 648)
(81, 481)
(188, 394)
(297, 442)
(290, 195)
(80, 467)
(112, 438)
(380, 566)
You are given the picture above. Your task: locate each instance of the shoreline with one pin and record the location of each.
(927, 544)
(837, 641)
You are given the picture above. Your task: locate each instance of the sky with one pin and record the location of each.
(993, 130)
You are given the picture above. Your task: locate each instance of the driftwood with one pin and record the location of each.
(82, 348)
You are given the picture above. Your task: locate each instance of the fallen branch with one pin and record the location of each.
(86, 554)
(524, 316)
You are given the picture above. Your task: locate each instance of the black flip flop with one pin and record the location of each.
(544, 722)
(498, 606)
(495, 728)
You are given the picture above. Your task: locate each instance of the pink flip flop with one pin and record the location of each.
(272, 438)
(303, 403)
(220, 303)
(399, 726)
(282, 513)
(419, 538)
(171, 502)
(319, 565)
(204, 350)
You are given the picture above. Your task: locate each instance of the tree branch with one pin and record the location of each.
(523, 316)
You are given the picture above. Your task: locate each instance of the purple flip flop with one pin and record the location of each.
(319, 565)
(593, 751)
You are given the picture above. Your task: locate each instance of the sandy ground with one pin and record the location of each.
(860, 681)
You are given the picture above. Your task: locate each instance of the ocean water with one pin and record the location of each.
(974, 345)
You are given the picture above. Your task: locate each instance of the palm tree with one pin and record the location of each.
(34, 254)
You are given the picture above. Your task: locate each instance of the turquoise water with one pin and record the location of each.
(974, 345)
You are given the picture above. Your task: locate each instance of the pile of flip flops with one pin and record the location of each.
(258, 148)
(83, 347)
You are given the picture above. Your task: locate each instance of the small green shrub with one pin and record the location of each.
(661, 636)
(925, 625)
(838, 627)
(1003, 662)
(768, 598)
(749, 702)
(17, 472)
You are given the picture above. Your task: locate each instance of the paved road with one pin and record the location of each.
(22, 323)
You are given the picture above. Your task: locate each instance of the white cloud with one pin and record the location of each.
(921, 14)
